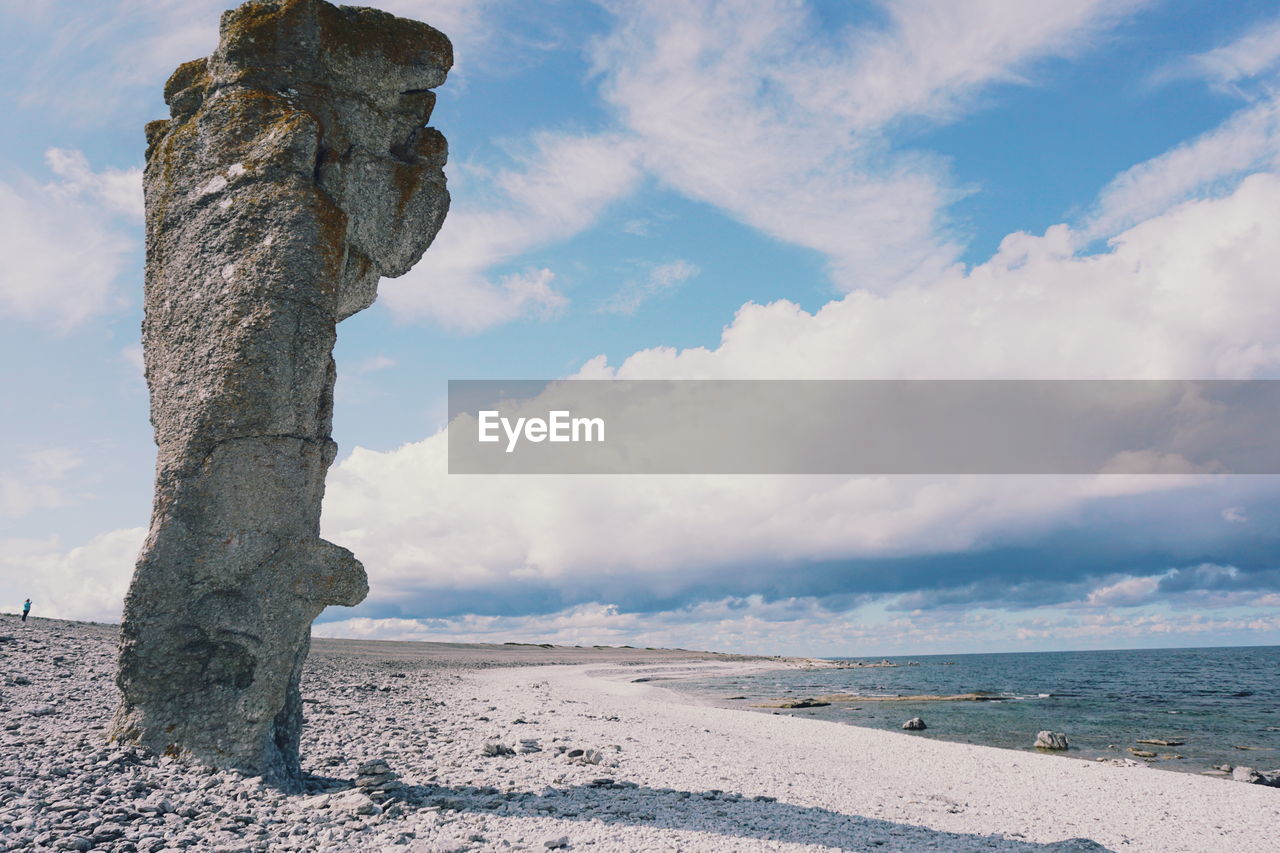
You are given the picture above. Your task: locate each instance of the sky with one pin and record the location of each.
(764, 189)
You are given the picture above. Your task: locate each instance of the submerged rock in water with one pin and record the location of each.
(1256, 777)
(915, 724)
(794, 703)
(294, 172)
(915, 697)
(1051, 740)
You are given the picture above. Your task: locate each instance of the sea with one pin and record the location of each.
(1220, 705)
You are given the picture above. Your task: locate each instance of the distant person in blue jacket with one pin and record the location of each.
(26, 608)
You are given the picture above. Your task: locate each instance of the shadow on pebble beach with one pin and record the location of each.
(718, 812)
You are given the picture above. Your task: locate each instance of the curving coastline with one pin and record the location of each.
(432, 747)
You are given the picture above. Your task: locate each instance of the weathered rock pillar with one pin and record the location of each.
(295, 171)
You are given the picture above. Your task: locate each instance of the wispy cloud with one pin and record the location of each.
(374, 363)
(662, 278)
(39, 481)
(1212, 163)
(118, 190)
(754, 108)
(1253, 54)
(63, 242)
(558, 189)
(1235, 515)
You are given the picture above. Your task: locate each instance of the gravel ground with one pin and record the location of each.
(419, 747)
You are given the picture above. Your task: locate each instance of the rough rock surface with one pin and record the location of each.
(295, 171)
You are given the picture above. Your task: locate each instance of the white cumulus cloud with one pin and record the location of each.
(1188, 294)
(87, 582)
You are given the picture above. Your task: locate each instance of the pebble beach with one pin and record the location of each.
(452, 747)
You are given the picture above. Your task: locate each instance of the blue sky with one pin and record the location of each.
(915, 189)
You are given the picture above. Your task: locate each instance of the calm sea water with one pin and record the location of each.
(1215, 700)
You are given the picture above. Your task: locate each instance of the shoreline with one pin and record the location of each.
(967, 789)
(579, 755)
(1106, 714)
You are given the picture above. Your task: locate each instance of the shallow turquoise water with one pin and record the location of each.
(1214, 700)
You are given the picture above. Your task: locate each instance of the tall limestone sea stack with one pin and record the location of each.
(295, 171)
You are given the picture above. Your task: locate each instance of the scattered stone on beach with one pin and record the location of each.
(1256, 777)
(1155, 741)
(1051, 740)
(377, 780)
(561, 843)
(493, 749)
(353, 803)
(586, 756)
(915, 724)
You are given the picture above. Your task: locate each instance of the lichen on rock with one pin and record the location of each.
(296, 169)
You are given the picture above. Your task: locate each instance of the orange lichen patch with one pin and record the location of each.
(358, 266)
(333, 242)
(407, 179)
